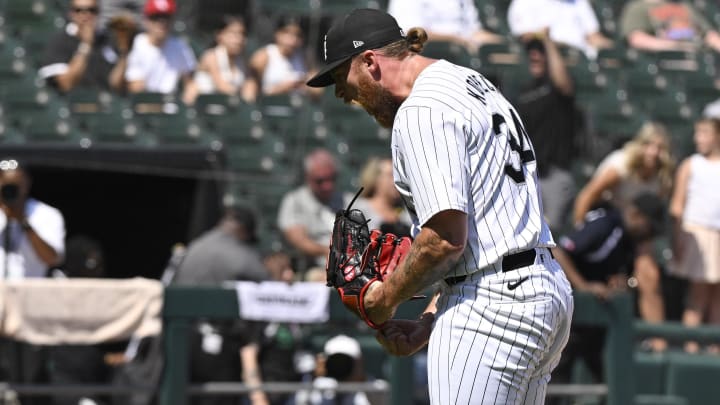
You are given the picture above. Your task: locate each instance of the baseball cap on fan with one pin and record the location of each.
(155, 7)
(362, 29)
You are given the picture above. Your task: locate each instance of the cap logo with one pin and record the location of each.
(325, 47)
(358, 44)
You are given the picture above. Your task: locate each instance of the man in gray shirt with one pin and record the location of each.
(224, 253)
(307, 213)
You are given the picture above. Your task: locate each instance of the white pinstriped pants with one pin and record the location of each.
(493, 345)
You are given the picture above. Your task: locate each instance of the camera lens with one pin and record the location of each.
(9, 193)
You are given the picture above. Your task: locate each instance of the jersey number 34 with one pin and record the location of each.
(519, 141)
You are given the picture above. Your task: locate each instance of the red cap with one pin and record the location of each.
(153, 7)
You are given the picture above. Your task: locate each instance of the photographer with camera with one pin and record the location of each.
(32, 236)
(32, 240)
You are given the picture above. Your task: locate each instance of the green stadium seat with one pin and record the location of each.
(26, 94)
(88, 100)
(29, 15)
(701, 88)
(215, 104)
(113, 128)
(10, 135)
(151, 103)
(51, 126)
(36, 41)
(180, 128)
(13, 62)
(694, 377)
(645, 83)
(614, 119)
(501, 56)
(590, 83)
(264, 158)
(450, 51)
(241, 125)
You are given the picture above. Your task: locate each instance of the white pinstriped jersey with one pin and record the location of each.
(457, 143)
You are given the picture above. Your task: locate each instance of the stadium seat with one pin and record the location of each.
(113, 128)
(501, 56)
(13, 62)
(701, 88)
(243, 126)
(450, 51)
(645, 83)
(36, 40)
(151, 103)
(209, 105)
(263, 158)
(180, 128)
(10, 135)
(614, 120)
(50, 126)
(88, 100)
(26, 94)
(590, 83)
(693, 377)
(29, 15)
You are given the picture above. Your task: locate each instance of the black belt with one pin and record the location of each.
(509, 263)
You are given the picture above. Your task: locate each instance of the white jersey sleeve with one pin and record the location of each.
(434, 159)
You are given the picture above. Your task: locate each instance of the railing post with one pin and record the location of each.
(620, 351)
(401, 380)
(175, 375)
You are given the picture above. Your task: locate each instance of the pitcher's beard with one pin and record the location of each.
(377, 101)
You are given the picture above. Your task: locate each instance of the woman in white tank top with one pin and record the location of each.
(280, 66)
(695, 208)
(222, 68)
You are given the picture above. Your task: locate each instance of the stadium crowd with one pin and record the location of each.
(627, 145)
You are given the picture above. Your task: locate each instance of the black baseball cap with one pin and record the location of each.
(362, 29)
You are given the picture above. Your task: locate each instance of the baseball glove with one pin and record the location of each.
(359, 257)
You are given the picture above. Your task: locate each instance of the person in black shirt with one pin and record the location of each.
(80, 55)
(598, 257)
(547, 109)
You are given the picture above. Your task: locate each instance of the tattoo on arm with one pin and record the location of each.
(426, 263)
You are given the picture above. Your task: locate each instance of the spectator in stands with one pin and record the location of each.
(159, 61)
(695, 208)
(380, 201)
(225, 253)
(712, 110)
(281, 342)
(570, 23)
(643, 165)
(455, 21)
(547, 108)
(660, 25)
(341, 361)
(32, 240)
(306, 214)
(598, 258)
(79, 364)
(280, 67)
(109, 9)
(81, 55)
(222, 68)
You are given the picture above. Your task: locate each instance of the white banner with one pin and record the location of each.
(275, 301)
